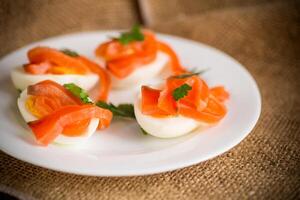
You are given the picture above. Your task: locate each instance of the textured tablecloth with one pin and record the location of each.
(262, 35)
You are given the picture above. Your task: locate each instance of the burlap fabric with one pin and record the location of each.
(263, 35)
(25, 21)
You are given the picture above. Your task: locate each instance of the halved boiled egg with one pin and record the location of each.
(62, 138)
(135, 57)
(181, 105)
(22, 80)
(165, 127)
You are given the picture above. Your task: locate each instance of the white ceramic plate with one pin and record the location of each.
(122, 150)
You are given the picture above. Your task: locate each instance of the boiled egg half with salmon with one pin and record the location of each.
(136, 57)
(63, 66)
(181, 105)
(56, 115)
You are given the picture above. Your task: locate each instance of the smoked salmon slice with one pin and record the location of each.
(199, 102)
(49, 127)
(149, 102)
(40, 68)
(213, 113)
(54, 90)
(76, 129)
(39, 55)
(47, 97)
(44, 60)
(105, 82)
(176, 67)
(220, 93)
(123, 59)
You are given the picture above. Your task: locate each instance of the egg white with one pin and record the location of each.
(167, 127)
(22, 80)
(61, 139)
(140, 75)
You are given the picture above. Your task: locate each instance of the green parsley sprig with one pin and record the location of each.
(122, 110)
(78, 92)
(181, 91)
(135, 34)
(187, 75)
(70, 52)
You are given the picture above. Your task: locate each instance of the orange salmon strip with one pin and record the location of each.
(122, 60)
(122, 68)
(220, 93)
(213, 113)
(200, 103)
(41, 106)
(49, 127)
(105, 83)
(47, 97)
(39, 55)
(52, 89)
(176, 67)
(41, 68)
(149, 102)
(76, 129)
(48, 60)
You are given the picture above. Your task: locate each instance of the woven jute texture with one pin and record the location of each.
(263, 36)
(156, 11)
(25, 21)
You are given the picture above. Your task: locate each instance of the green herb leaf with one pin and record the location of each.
(181, 91)
(70, 52)
(78, 92)
(143, 131)
(181, 76)
(122, 110)
(135, 34)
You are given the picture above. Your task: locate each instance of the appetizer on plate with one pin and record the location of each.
(61, 114)
(63, 66)
(135, 57)
(181, 105)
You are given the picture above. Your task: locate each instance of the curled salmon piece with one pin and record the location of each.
(49, 127)
(46, 98)
(176, 67)
(105, 82)
(213, 113)
(40, 68)
(56, 59)
(149, 102)
(123, 59)
(198, 102)
(220, 93)
(53, 90)
(45, 60)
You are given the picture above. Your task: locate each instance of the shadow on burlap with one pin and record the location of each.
(264, 37)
